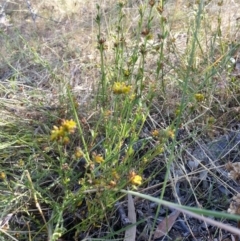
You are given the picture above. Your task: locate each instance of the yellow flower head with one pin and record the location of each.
(61, 133)
(121, 88)
(57, 133)
(69, 126)
(135, 179)
(107, 113)
(155, 133)
(66, 140)
(177, 112)
(211, 120)
(132, 96)
(2, 175)
(98, 158)
(78, 152)
(115, 175)
(199, 97)
(170, 133)
(21, 163)
(112, 183)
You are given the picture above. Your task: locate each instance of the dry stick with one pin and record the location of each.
(35, 197)
(29, 231)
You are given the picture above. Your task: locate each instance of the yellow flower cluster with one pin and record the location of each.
(170, 132)
(98, 159)
(134, 178)
(164, 134)
(155, 133)
(121, 88)
(78, 153)
(2, 175)
(61, 133)
(115, 178)
(199, 97)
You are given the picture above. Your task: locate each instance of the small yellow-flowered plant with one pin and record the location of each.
(170, 132)
(66, 140)
(78, 152)
(137, 180)
(177, 111)
(57, 133)
(21, 163)
(155, 133)
(107, 113)
(69, 126)
(126, 72)
(112, 183)
(132, 96)
(134, 178)
(98, 158)
(199, 97)
(2, 175)
(115, 175)
(211, 120)
(121, 88)
(61, 133)
(160, 149)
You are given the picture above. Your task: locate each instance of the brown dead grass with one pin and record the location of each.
(41, 57)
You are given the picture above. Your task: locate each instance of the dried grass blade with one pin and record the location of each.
(130, 233)
(165, 226)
